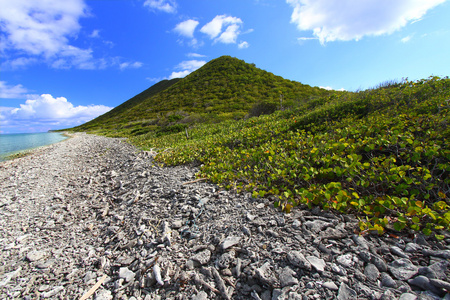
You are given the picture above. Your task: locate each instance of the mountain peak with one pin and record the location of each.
(224, 88)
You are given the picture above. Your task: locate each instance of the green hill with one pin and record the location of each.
(224, 88)
(115, 114)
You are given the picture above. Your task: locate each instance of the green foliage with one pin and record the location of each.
(262, 108)
(381, 154)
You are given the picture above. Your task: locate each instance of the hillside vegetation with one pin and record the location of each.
(225, 88)
(381, 154)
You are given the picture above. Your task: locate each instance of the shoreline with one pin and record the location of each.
(29, 151)
(96, 209)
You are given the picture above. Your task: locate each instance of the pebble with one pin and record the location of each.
(330, 285)
(387, 281)
(297, 259)
(202, 257)
(91, 205)
(371, 272)
(317, 263)
(345, 260)
(403, 269)
(346, 293)
(36, 255)
(287, 277)
(126, 274)
(407, 296)
(230, 242)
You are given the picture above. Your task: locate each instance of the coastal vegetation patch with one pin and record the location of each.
(381, 154)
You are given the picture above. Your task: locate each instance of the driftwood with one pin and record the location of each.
(94, 288)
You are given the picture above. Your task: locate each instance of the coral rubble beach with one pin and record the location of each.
(96, 213)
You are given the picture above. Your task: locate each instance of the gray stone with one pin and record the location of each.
(403, 269)
(428, 272)
(440, 284)
(53, 292)
(318, 263)
(403, 287)
(266, 274)
(437, 253)
(345, 260)
(412, 247)
(364, 290)
(333, 234)
(297, 259)
(346, 293)
(36, 255)
(276, 293)
(266, 295)
(440, 268)
(310, 285)
(246, 231)
(190, 265)
(226, 259)
(230, 242)
(360, 241)
(388, 295)
(177, 224)
(420, 282)
(89, 276)
(338, 269)
(126, 274)
(317, 226)
(103, 295)
(330, 285)
(371, 272)
(200, 296)
(379, 263)
(202, 257)
(387, 281)
(407, 296)
(397, 251)
(287, 277)
(360, 276)
(297, 224)
(365, 256)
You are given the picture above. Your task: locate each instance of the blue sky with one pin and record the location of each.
(66, 62)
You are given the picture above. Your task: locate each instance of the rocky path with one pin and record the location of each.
(93, 210)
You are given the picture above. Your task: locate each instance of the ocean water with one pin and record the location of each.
(13, 143)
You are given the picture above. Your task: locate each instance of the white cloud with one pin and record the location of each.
(45, 110)
(329, 88)
(230, 35)
(306, 38)
(129, 65)
(168, 6)
(42, 28)
(12, 92)
(179, 74)
(187, 67)
(95, 34)
(406, 39)
(243, 45)
(214, 29)
(347, 20)
(40, 31)
(186, 28)
(195, 55)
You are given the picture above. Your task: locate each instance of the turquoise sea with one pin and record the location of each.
(13, 143)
